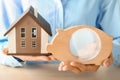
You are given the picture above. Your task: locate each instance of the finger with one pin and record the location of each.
(107, 62)
(34, 58)
(5, 50)
(71, 68)
(42, 58)
(67, 67)
(76, 70)
(78, 65)
(52, 57)
(61, 66)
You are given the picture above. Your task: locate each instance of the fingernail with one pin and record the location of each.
(72, 63)
(107, 64)
(63, 69)
(59, 69)
(62, 63)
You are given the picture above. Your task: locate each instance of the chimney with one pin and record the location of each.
(35, 13)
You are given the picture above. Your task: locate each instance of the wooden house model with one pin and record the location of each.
(28, 35)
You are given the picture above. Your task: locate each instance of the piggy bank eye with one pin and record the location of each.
(85, 44)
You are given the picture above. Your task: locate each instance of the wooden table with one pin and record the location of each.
(50, 72)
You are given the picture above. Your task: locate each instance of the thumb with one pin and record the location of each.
(5, 50)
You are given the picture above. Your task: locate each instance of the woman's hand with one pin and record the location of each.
(78, 67)
(107, 62)
(32, 58)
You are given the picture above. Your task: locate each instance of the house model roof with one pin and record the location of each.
(39, 19)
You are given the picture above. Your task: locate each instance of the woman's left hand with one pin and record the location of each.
(77, 67)
(32, 58)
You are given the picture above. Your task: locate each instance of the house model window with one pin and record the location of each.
(34, 32)
(22, 44)
(33, 43)
(22, 32)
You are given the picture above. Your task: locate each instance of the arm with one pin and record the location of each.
(7, 16)
(31, 58)
(77, 67)
(109, 21)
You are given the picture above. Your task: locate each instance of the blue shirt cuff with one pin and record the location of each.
(116, 51)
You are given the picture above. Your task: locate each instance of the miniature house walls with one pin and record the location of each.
(44, 41)
(12, 41)
(29, 34)
(24, 37)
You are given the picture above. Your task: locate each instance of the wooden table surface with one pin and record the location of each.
(50, 72)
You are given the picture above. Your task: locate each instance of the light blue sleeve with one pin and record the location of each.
(10, 10)
(109, 21)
